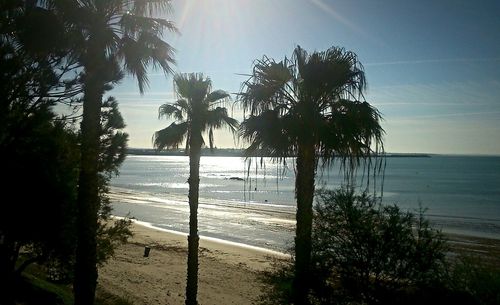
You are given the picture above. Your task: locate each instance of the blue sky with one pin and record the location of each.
(433, 67)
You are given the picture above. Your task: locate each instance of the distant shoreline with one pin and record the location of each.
(233, 152)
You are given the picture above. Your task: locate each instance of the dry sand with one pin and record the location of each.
(228, 273)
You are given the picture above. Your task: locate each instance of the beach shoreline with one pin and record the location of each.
(229, 273)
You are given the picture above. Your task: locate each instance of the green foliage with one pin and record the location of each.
(113, 144)
(472, 275)
(279, 281)
(36, 290)
(110, 236)
(310, 106)
(310, 99)
(39, 168)
(196, 111)
(38, 154)
(33, 289)
(40, 158)
(367, 252)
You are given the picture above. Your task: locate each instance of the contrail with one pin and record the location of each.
(329, 9)
(444, 115)
(426, 61)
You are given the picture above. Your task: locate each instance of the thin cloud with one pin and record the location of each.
(427, 61)
(471, 93)
(136, 94)
(331, 11)
(427, 104)
(446, 115)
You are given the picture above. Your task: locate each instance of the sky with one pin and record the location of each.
(432, 66)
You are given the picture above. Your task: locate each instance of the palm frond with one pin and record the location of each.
(327, 76)
(354, 78)
(184, 105)
(170, 110)
(267, 135)
(267, 87)
(135, 60)
(195, 106)
(134, 24)
(218, 117)
(170, 137)
(147, 50)
(149, 7)
(309, 100)
(160, 54)
(216, 97)
(353, 133)
(192, 86)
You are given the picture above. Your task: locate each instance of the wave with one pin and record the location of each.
(208, 238)
(144, 197)
(255, 224)
(268, 226)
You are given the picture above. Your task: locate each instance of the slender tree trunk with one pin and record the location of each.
(88, 197)
(304, 191)
(193, 238)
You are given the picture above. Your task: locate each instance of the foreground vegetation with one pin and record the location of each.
(42, 151)
(33, 288)
(197, 110)
(310, 106)
(368, 253)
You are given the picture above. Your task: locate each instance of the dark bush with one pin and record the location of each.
(476, 277)
(367, 252)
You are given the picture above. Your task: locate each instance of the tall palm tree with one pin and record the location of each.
(196, 111)
(108, 38)
(309, 107)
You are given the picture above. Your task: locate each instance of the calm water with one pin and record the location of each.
(462, 194)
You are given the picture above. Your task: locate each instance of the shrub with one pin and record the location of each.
(474, 276)
(367, 252)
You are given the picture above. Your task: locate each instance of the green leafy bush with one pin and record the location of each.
(471, 275)
(367, 252)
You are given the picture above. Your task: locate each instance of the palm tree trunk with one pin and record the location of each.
(193, 238)
(88, 197)
(304, 191)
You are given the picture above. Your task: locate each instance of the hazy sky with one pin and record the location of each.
(433, 66)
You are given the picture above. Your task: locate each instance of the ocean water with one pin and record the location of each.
(253, 203)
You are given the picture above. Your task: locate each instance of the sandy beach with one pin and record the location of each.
(228, 273)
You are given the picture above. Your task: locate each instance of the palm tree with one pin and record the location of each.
(196, 111)
(107, 39)
(309, 107)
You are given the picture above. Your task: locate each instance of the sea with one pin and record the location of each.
(251, 201)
